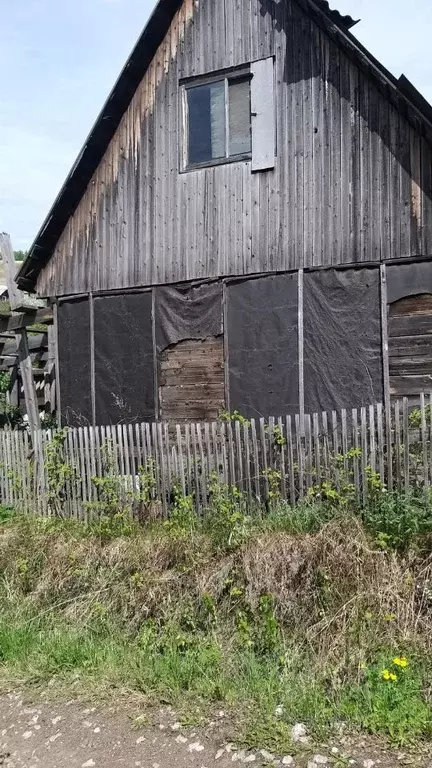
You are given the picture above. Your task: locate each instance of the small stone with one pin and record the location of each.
(266, 755)
(27, 734)
(54, 738)
(162, 727)
(89, 764)
(56, 720)
(249, 759)
(140, 739)
(298, 731)
(221, 713)
(334, 751)
(96, 730)
(229, 747)
(287, 760)
(37, 727)
(218, 754)
(156, 765)
(176, 726)
(320, 760)
(87, 724)
(181, 739)
(279, 710)
(368, 763)
(195, 747)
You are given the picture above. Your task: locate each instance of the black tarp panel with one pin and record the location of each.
(342, 339)
(74, 362)
(408, 280)
(123, 348)
(187, 312)
(262, 317)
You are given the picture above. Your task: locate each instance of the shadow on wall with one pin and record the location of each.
(307, 58)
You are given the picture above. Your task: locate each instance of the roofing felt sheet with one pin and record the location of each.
(342, 339)
(74, 362)
(187, 312)
(408, 280)
(123, 348)
(262, 317)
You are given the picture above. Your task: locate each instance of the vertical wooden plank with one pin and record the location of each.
(372, 446)
(215, 439)
(240, 455)
(166, 436)
(317, 449)
(406, 444)
(301, 353)
(26, 369)
(430, 431)
(181, 459)
(232, 467)
(211, 461)
(161, 461)
(154, 452)
(386, 374)
(256, 478)
(397, 445)
(196, 467)
(92, 359)
(424, 440)
(247, 460)
(326, 445)
(290, 453)
(309, 450)
(203, 465)
(264, 468)
(300, 454)
(380, 439)
(225, 470)
(335, 442)
(83, 510)
(355, 443)
(364, 454)
(282, 451)
(190, 488)
(225, 344)
(344, 440)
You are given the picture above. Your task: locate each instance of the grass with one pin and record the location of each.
(284, 618)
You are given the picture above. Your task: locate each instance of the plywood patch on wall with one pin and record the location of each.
(191, 380)
(410, 345)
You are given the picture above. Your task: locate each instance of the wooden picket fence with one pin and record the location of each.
(64, 472)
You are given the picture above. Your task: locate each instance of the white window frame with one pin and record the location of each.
(229, 75)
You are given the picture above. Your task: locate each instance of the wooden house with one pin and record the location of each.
(247, 227)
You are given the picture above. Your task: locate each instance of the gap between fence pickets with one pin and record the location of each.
(266, 459)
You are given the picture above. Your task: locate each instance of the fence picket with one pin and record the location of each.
(424, 440)
(406, 443)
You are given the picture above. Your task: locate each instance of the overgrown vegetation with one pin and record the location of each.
(316, 613)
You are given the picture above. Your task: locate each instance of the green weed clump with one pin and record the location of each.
(313, 613)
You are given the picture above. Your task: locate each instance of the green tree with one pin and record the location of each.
(20, 255)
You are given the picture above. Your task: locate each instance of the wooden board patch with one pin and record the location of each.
(410, 345)
(191, 377)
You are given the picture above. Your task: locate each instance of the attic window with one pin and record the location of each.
(217, 119)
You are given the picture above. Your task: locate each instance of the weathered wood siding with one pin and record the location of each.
(352, 180)
(191, 378)
(410, 346)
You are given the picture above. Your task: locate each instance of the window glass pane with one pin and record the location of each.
(206, 120)
(239, 117)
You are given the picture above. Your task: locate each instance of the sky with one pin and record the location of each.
(59, 60)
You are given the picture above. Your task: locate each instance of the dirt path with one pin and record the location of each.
(73, 735)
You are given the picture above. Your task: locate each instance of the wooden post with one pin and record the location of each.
(301, 353)
(26, 369)
(387, 407)
(16, 297)
(18, 301)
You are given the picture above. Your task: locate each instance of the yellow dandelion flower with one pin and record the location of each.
(385, 674)
(393, 677)
(390, 617)
(400, 661)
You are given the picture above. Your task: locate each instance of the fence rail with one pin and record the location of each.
(70, 471)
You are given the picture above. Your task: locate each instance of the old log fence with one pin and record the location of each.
(68, 471)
